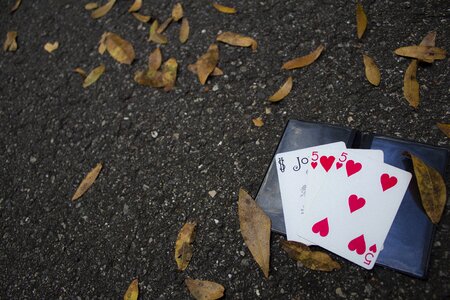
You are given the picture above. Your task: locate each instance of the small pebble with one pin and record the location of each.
(33, 159)
(215, 87)
(212, 193)
(154, 134)
(340, 293)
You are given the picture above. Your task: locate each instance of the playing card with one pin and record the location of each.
(353, 211)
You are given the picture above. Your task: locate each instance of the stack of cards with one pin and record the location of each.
(343, 200)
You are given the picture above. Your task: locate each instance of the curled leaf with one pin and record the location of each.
(445, 128)
(91, 6)
(177, 12)
(169, 71)
(80, 71)
(132, 292)
(224, 9)
(164, 25)
(120, 49)
(303, 61)
(361, 20)
(183, 247)
(424, 53)
(207, 62)
(432, 189)
(204, 289)
(141, 18)
(94, 75)
(184, 30)
(371, 69)
(50, 47)
(258, 122)
(235, 39)
(314, 260)
(135, 6)
(410, 85)
(155, 59)
(15, 6)
(154, 36)
(103, 10)
(284, 90)
(87, 182)
(102, 44)
(255, 229)
(10, 43)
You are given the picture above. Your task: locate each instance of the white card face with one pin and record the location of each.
(292, 170)
(353, 211)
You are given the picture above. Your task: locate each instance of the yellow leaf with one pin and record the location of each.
(224, 9)
(361, 20)
(235, 39)
(183, 247)
(303, 61)
(94, 75)
(15, 6)
(101, 43)
(135, 6)
(132, 292)
(50, 47)
(10, 43)
(207, 62)
(103, 10)
(80, 71)
(216, 72)
(164, 25)
(177, 12)
(410, 85)
(87, 181)
(429, 40)
(120, 49)
(155, 59)
(431, 187)
(151, 78)
(314, 260)
(91, 6)
(204, 289)
(141, 18)
(284, 90)
(154, 36)
(255, 229)
(372, 72)
(169, 71)
(445, 128)
(425, 53)
(258, 122)
(184, 30)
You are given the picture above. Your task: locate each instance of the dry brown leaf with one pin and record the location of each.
(164, 25)
(303, 61)
(361, 20)
(50, 47)
(424, 53)
(429, 40)
(184, 30)
(177, 12)
(15, 6)
(224, 9)
(135, 6)
(149, 78)
(183, 245)
(155, 59)
(235, 39)
(445, 128)
(103, 10)
(94, 75)
(314, 260)
(132, 292)
(432, 189)
(169, 71)
(120, 49)
(410, 85)
(10, 43)
(204, 289)
(216, 72)
(141, 18)
(80, 71)
(91, 6)
(372, 72)
(258, 122)
(87, 181)
(154, 36)
(255, 229)
(284, 90)
(207, 62)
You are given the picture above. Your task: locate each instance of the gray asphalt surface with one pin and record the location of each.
(163, 152)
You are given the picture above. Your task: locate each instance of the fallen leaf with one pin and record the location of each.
(132, 292)
(50, 47)
(445, 128)
(431, 187)
(255, 229)
(155, 36)
(135, 6)
(183, 245)
(177, 12)
(429, 40)
(164, 25)
(80, 71)
(424, 53)
(314, 260)
(141, 18)
(224, 9)
(207, 62)
(216, 72)
(372, 72)
(235, 39)
(87, 181)
(15, 6)
(184, 30)
(153, 79)
(120, 49)
(169, 71)
(91, 6)
(303, 61)
(10, 43)
(410, 85)
(284, 90)
(93, 76)
(204, 289)
(258, 122)
(103, 10)
(361, 20)
(155, 59)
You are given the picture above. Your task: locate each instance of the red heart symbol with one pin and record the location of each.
(387, 181)
(327, 162)
(352, 167)
(355, 203)
(338, 165)
(358, 244)
(373, 248)
(321, 227)
(314, 164)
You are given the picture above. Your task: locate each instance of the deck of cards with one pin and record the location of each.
(343, 200)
